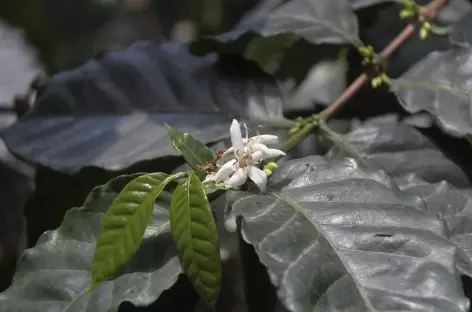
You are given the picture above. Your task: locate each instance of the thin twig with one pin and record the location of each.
(430, 11)
(346, 95)
(362, 79)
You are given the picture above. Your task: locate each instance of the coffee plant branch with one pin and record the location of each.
(304, 127)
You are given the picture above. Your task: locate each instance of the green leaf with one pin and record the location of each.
(280, 35)
(401, 149)
(124, 224)
(194, 152)
(328, 228)
(439, 85)
(55, 271)
(196, 239)
(450, 204)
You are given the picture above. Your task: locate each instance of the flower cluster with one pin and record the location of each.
(248, 154)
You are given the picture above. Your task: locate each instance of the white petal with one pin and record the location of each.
(238, 178)
(225, 170)
(257, 147)
(229, 150)
(236, 137)
(258, 176)
(257, 156)
(210, 177)
(264, 139)
(272, 152)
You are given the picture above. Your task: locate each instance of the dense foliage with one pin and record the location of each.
(375, 219)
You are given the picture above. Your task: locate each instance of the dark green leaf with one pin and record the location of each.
(330, 228)
(317, 21)
(196, 238)
(451, 205)
(440, 84)
(462, 31)
(400, 149)
(194, 152)
(124, 224)
(275, 29)
(58, 268)
(361, 4)
(111, 111)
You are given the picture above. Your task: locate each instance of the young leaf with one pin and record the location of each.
(194, 232)
(124, 224)
(55, 271)
(194, 152)
(330, 228)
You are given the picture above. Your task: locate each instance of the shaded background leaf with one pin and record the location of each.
(318, 22)
(111, 112)
(58, 268)
(355, 234)
(19, 64)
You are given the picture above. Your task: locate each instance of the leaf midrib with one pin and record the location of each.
(301, 210)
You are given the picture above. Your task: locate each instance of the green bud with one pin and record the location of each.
(267, 172)
(423, 33)
(406, 13)
(271, 165)
(377, 81)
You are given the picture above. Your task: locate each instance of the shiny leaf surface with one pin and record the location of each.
(196, 238)
(55, 271)
(330, 228)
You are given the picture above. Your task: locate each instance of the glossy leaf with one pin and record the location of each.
(196, 238)
(124, 224)
(194, 152)
(111, 111)
(400, 149)
(451, 205)
(328, 228)
(441, 85)
(55, 271)
(279, 35)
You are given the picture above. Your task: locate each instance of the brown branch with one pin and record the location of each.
(346, 95)
(428, 11)
(362, 79)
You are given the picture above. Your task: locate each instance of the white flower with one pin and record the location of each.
(248, 153)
